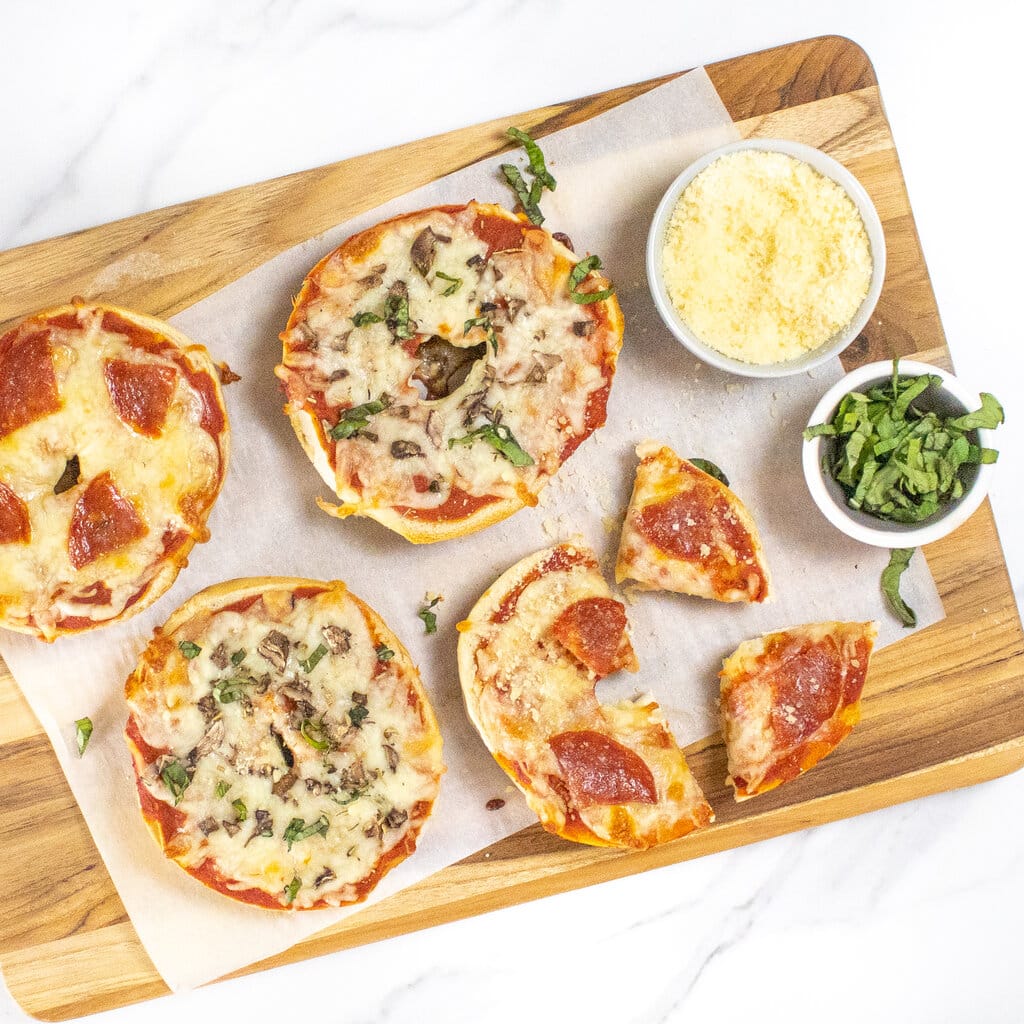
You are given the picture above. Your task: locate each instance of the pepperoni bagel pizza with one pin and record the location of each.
(441, 366)
(113, 448)
(530, 655)
(286, 754)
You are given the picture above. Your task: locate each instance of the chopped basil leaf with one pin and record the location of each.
(189, 649)
(357, 713)
(222, 788)
(291, 890)
(895, 461)
(456, 282)
(711, 469)
(308, 664)
(384, 653)
(576, 278)
(83, 730)
(298, 830)
(357, 418)
(362, 319)
(396, 311)
(527, 198)
(899, 560)
(500, 438)
(230, 691)
(428, 616)
(238, 657)
(485, 323)
(241, 811)
(314, 734)
(538, 168)
(175, 778)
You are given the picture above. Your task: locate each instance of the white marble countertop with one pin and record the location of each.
(907, 914)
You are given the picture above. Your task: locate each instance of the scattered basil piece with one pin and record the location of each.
(895, 461)
(384, 653)
(175, 778)
(538, 167)
(230, 691)
(456, 282)
(358, 712)
(357, 418)
(314, 734)
(576, 278)
(308, 664)
(711, 469)
(428, 616)
(241, 811)
(221, 789)
(899, 560)
(528, 198)
(83, 730)
(189, 649)
(500, 438)
(238, 657)
(298, 830)
(396, 316)
(485, 323)
(291, 890)
(362, 319)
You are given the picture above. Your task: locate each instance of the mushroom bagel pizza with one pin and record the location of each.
(113, 449)
(441, 366)
(285, 752)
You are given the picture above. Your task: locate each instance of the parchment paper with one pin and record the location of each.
(611, 172)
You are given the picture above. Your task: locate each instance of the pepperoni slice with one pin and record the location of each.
(141, 393)
(14, 524)
(102, 522)
(500, 233)
(601, 771)
(458, 505)
(594, 631)
(28, 386)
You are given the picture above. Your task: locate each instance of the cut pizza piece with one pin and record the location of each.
(285, 752)
(789, 698)
(687, 532)
(442, 365)
(530, 654)
(113, 449)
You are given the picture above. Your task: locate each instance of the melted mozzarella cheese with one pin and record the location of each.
(38, 583)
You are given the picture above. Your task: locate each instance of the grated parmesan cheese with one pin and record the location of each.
(764, 257)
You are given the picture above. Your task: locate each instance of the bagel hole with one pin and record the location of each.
(444, 367)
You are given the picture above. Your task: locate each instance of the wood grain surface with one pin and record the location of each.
(943, 708)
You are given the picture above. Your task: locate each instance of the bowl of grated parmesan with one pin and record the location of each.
(766, 258)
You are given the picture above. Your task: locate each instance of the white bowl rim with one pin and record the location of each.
(891, 535)
(825, 165)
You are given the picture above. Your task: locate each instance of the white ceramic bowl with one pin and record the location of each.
(953, 399)
(826, 166)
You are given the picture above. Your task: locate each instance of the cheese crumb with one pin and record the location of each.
(764, 257)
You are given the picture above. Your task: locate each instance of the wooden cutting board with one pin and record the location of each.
(944, 708)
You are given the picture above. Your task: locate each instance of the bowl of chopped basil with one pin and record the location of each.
(899, 454)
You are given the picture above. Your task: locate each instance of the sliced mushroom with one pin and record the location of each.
(424, 249)
(359, 698)
(231, 827)
(283, 784)
(274, 648)
(220, 656)
(391, 756)
(208, 826)
(286, 752)
(584, 328)
(69, 477)
(337, 639)
(208, 707)
(325, 876)
(395, 818)
(212, 738)
(444, 367)
(403, 449)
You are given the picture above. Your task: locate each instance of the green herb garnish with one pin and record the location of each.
(230, 691)
(711, 469)
(308, 664)
(175, 778)
(428, 616)
(358, 712)
(576, 277)
(241, 811)
(529, 196)
(895, 461)
(362, 319)
(538, 168)
(298, 830)
(500, 438)
(396, 315)
(456, 282)
(314, 734)
(189, 649)
(384, 653)
(357, 418)
(83, 730)
(238, 657)
(221, 789)
(899, 560)
(291, 890)
(485, 323)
